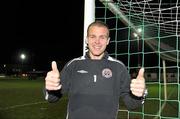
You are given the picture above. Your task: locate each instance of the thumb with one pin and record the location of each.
(140, 74)
(54, 66)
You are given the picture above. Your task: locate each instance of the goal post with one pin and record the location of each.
(89, 17)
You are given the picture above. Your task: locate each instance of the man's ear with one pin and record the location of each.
(108, 40)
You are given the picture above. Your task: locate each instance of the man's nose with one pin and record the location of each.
(97, 40)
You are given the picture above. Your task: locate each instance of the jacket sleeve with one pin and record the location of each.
(131, 101)
(52, 96)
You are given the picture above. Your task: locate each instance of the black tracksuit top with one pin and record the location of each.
(94, 88)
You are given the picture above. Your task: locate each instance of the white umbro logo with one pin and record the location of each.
(82, 71)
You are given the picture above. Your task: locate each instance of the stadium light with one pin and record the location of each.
(135, 35)
(22, 57)
(139, 30)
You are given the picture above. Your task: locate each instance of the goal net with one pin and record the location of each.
(145, 33)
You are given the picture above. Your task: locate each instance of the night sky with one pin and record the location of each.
(44, 30)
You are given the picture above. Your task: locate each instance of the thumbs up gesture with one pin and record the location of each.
(137, 85)
(52, 80)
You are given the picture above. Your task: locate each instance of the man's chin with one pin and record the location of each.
(97, 54)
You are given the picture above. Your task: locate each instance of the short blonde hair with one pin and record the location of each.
(98, 23)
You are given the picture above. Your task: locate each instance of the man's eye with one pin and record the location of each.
(92, 36)
(102, 37)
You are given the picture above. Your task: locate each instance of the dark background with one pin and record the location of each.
(50, 30)
(44, 30)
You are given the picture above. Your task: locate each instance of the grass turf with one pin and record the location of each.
(24, 99)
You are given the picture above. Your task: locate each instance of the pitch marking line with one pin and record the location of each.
(23, 105)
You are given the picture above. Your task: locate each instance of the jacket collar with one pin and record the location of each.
(104, 57)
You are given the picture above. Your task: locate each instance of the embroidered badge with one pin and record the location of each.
(82, 71)
(107, 73)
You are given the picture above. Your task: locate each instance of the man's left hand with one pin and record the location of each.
(138, 85)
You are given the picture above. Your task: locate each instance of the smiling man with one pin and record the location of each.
(95, 82)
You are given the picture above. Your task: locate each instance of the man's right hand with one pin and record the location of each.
(52, 80)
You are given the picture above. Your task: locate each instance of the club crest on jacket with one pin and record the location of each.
(107, 73)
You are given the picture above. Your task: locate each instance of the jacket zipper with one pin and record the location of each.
(95, 78)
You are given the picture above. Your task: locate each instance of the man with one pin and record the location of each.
(96, 81)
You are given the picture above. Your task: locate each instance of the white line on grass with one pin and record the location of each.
(23, 105)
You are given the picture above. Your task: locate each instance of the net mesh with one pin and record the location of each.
(145, 33)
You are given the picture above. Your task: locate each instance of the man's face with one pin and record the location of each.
(97, 40)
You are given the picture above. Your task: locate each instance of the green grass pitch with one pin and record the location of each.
(24, 99)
